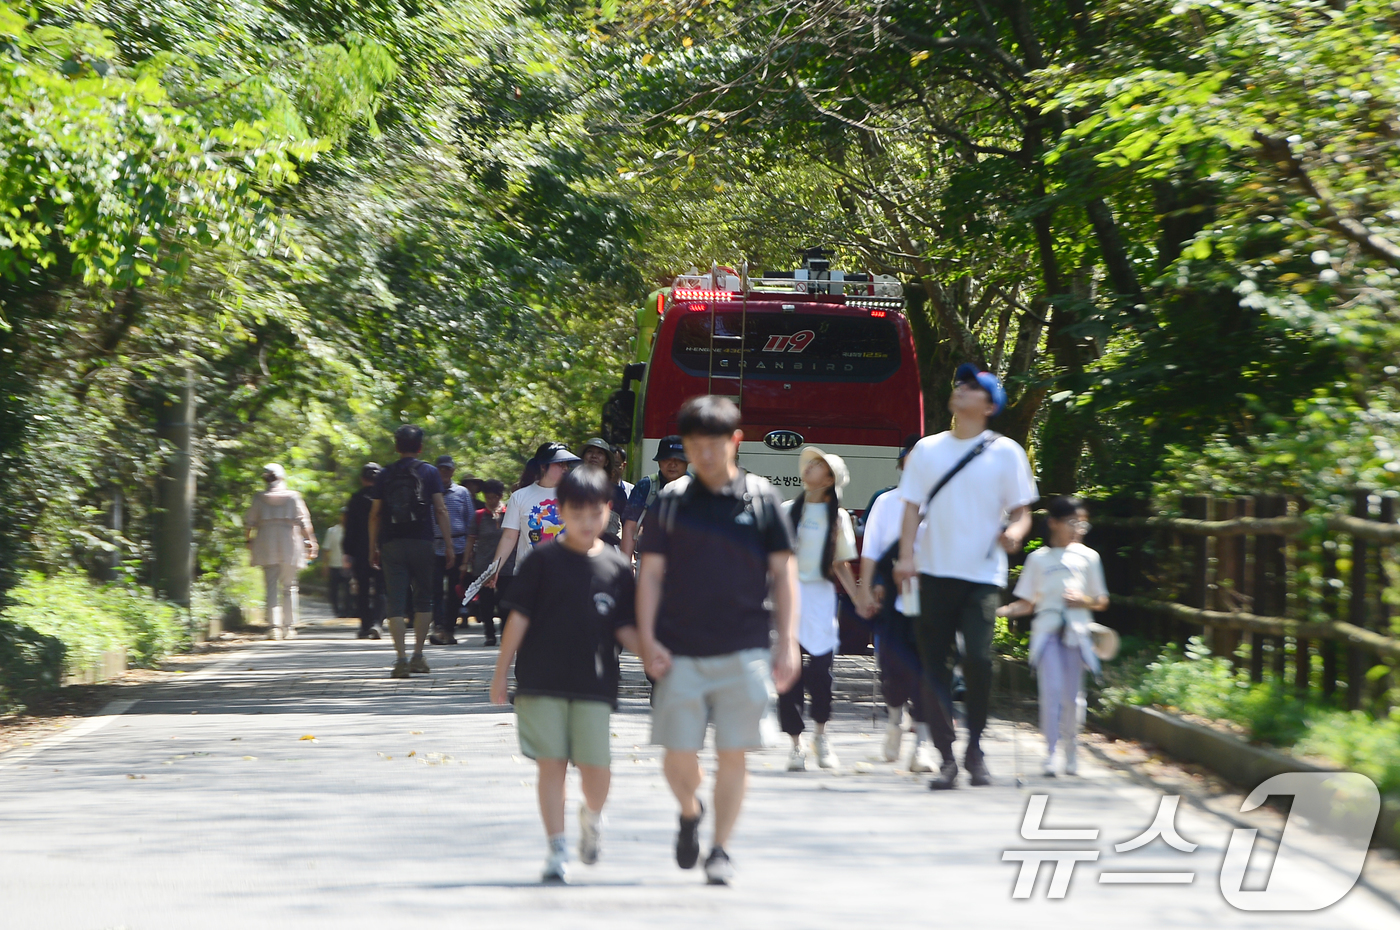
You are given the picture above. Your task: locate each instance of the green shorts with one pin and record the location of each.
(560, 728)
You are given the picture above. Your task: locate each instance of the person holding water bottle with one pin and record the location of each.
(975, 487)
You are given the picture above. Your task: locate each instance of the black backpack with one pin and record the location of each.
(403, 493)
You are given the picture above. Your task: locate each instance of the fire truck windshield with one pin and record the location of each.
(788, 346)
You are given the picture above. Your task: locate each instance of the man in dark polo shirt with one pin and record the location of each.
(717, 545)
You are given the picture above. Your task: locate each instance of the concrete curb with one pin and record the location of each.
(1229, 756)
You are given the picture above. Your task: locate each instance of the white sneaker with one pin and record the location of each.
(1071, 762)
(922, 759)
(289, 633)
(826, 758)
(275, 633)
(556, 866)
(590, 834)
(894, 735)
(1047, 768)
(797, 760)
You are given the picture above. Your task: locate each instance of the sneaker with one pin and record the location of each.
(947, 777)
(419, 664)
(718, 869)
(1047, 768)
(826, 756)
(436, 640)
(400, 668)
(556, 866)
(590, 834)
(1071, 763)
(373, 633)
(922, 760)
(977, 770)
(797, 760)
(275, 633)
(362, 634)
(894, 735)
(688, 840)
(289, 633)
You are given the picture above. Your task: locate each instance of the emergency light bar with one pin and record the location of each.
(693, 293)
(876, 303)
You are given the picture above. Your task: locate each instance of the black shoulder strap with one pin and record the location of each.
(975, 451)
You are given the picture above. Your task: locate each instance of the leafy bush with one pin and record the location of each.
(1207, 686)
(84, 620)
(29, 662)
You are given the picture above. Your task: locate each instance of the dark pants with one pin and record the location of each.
(408, 576)
(900, 668)
(950, 606)
(338, 591)
(816, 682)
(445, 594)
(487, 601)
(369, 593)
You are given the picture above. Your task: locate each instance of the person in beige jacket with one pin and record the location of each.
(281, 540)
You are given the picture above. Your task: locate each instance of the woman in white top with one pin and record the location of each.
(826, 544)
(281, 540)
(1061, 583)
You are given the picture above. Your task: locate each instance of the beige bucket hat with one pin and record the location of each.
(839, 471)
(1104, 641)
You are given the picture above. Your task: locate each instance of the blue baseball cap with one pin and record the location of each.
(986, 381)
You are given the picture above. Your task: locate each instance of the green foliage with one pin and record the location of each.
(1205, 685)
(84, 620)
(30, 662)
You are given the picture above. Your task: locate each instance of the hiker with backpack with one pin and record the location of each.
(826, 545)
(716, 549)
(671, 463)
(407, 498)
(967, 494)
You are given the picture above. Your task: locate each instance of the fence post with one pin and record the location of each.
(1249, 574)
(1356, 609)
(1229, 567)
(1302, 648)
(1330, 607)
(1278, 579)
(1381, 617)
(1197, 507)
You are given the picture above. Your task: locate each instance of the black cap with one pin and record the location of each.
(552, 453)
(671, 448)
(445, 461)
(369, 471)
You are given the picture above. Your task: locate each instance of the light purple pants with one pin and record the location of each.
(1060, 675)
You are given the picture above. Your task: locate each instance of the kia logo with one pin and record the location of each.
(782, 439)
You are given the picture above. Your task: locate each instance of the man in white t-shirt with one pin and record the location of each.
(979, 515)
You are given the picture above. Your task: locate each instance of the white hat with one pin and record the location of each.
(839, 471)
(1104, 640)
(276, 471)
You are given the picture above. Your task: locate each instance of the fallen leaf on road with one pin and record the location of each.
(234, 739)
(864, 768)
(415, 732)
(413, 753)
(308, 737)
(250, 758)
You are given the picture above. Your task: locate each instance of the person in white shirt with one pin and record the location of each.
(280, 540)
(826, 545)
(336, 565)
(532, 512)
(964, 534)
(1061, 584)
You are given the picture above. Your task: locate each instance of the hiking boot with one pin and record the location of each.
(977, 770)
(921, 761)
(797, 760)
(826, 756)
(688, 839)
(947, 777)
(590, 834)
(718, 869)
(400, 668)
(419, 664)
(894, 735)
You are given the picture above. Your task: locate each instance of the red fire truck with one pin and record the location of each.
(813, 356)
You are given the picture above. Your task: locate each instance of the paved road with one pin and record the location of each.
(203, 806)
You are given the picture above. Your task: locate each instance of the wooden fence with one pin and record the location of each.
(1310, 596)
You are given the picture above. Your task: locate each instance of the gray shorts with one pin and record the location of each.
(407, 561)
(732, 691)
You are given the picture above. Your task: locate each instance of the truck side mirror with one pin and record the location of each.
(617, 416)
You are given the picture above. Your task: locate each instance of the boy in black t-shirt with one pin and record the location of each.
(568, 608)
